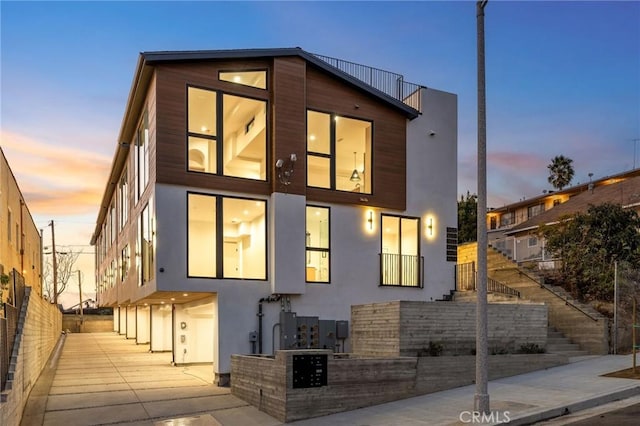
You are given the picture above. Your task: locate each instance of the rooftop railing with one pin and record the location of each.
(387, 82)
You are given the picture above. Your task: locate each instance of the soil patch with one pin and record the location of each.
(625, 374)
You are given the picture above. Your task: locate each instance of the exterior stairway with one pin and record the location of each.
(581, 324)
(557, 343)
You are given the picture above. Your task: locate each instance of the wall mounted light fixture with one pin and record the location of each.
(284, 169)
(430, 227)
(370, 220)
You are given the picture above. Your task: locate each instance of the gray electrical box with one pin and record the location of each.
(308, 332)
(288, 331)
(327, 332)
(342, 329)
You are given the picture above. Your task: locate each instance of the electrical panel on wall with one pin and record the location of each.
(308, 332)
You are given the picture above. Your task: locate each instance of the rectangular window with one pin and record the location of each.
(123, 199)
(339, 152)
(124, 263)
(532, 241)
(112, 221)
(256, 79)
(507, 219)
(226, 237)
(226, 134)
(147, 252)
(533, 211)
(317, 244)
(400, 262)
(141, 154)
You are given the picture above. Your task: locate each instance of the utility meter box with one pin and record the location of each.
(342, 330)
(288, 331)
(308, 332)
(327, 332)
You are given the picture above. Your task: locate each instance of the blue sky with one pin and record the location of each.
(562, 78)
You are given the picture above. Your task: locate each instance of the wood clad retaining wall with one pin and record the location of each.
(355, 382)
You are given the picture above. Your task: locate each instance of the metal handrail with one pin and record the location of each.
(390, 83)
(497, 287)
(564, 299)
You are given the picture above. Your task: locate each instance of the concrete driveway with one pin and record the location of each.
(103, 378)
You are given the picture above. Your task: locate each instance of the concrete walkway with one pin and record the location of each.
(102, 378)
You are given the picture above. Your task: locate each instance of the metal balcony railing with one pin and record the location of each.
(400, 270)
(466, 281)
(387, 82)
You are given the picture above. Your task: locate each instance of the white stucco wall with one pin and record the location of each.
(354, 249)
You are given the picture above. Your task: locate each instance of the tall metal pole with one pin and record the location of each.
(615, 307)
(80, 289)
(481, 397)
(55, 263)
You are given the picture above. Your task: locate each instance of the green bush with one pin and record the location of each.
(531, 348)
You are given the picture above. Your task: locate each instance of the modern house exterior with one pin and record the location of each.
(513, 229)
(256, 195)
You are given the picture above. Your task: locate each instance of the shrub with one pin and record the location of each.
(531, 348)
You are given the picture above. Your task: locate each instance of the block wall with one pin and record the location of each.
(405, 328)
(39, 329)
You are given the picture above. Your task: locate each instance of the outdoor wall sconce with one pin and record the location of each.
(370, 220)
(284, 169)
(430, 227)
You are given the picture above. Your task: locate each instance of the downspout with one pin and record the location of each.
(268, 299)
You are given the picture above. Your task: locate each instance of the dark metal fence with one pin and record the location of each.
(466, 276)
(387, 82)
(400, 270)
(9, 324)
(466, 281)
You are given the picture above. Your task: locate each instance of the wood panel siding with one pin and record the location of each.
(171, 119)
(289, 121)
(329, 94)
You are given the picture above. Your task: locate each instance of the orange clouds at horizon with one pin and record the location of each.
(56, 180)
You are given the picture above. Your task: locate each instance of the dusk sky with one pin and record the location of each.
(562, 78)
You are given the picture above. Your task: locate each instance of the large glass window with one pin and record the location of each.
(146, 250)
(141, 154)
(317, 244)
(226, 237)
(242, 150)
(256, 79)
(123, 199)
(400, 257)
(338, 152)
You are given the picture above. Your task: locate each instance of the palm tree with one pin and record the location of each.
(560, 171)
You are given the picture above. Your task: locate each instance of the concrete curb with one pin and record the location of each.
(575, 407)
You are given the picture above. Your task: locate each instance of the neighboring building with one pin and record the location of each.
(20, 242)
(513, 229)
(247, 183)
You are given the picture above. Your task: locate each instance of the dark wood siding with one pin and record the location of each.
(289, 120)
(171, 119)
(329, 94)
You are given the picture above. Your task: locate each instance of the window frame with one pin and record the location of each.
(219, 134)
(332, 150)
(420, 261)
(320, 249)
(238, 71)
(219, 237)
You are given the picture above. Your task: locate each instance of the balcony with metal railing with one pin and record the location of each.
(390, 83)
(400, 270)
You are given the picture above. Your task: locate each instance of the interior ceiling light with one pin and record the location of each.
(355, 176)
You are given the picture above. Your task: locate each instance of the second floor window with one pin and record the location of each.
(533, 211)
(339, 152)
(226, 134)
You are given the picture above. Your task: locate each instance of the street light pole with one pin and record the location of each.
(481, 397)
(80, 290)
(55, 264)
